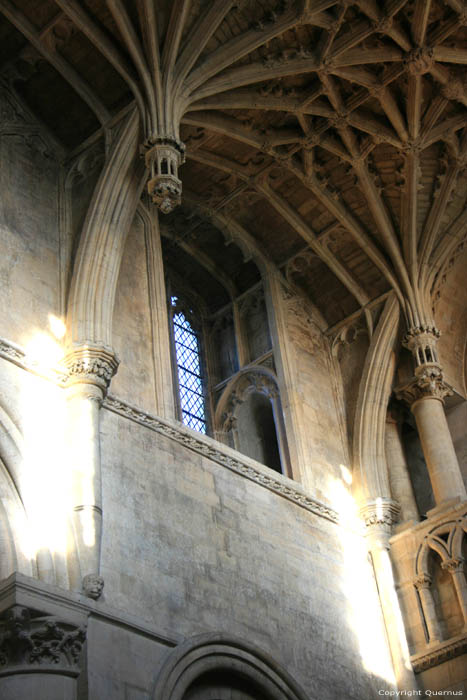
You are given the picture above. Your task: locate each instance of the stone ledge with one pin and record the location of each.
(227, 457)
(19, 589)
(441, 652)
(17, 355)
(206, 446)
(457, 510)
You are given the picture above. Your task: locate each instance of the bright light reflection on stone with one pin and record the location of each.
(358, 585)
(46, 483)
(57, 326)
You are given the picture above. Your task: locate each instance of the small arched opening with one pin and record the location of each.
(447, 606)
(249, 418)
(256, 429)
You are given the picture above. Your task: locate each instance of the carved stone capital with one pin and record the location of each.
(454, 565)
(422, 581)
(32, 641)
(427, 383)
(381, 513)
(91, 364)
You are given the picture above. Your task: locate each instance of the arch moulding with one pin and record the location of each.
(215, 652)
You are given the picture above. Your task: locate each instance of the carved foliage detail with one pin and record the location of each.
(454, 565)
(422, 581)
(27, 638)
(382, 512)
(428, 383)
(91, 364)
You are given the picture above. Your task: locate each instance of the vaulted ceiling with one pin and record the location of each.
(327, 137)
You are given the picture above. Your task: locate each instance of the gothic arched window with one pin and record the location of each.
(188, 358)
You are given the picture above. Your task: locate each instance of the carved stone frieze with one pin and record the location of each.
(212, 451)
(442, 653)
(30, 639)
(13, 353)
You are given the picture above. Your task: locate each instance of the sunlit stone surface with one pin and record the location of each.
(233, 330)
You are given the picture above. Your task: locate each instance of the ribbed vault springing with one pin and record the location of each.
(344, 123)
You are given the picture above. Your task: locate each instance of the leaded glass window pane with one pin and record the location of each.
(190, 382)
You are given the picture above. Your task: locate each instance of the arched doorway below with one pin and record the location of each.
(223, 685)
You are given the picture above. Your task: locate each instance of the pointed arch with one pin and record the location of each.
(248, 381)
(371, 475)
(100, 249)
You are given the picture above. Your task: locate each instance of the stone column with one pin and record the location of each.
(455, 567)
(423, 585)
(39, 656)
(399, 479)
(90, 371)
(425, 394)
(379, 516)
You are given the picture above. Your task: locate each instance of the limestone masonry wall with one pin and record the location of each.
(192, 548)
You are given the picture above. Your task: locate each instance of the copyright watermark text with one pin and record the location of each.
(420, 693)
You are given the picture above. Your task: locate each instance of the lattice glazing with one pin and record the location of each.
(189, 373)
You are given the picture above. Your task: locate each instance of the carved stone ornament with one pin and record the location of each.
(30, 639)
(422, 342)
(163, 158)
(453, 565)
(93, 585)
(444, 652)
(423, 581)
(252, 381)
(419, 61)
(216, 452)
(92, 364)
(383, 512)
(428, 383)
